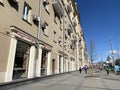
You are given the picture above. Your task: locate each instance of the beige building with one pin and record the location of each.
(39, 38)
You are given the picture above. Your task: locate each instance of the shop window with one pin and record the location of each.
(21, 60)
(53, 66)
(26, 12)
(44, 62)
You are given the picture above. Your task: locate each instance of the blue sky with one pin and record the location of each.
(100, 21)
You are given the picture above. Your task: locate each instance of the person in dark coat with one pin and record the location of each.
(85, 69)
(107, 70)
(80, 69)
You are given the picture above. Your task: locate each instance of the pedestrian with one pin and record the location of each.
(80, 69)
(85, 69)
(107, 70)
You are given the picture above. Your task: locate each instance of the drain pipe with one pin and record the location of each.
(38, 36)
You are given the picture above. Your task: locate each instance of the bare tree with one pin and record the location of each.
(93, 54)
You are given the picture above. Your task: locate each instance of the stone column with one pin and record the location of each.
(49, 71)
(31, 62)
(38, 63)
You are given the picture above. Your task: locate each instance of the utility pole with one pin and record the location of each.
(112, 54)
(38, 37)
(101, 62)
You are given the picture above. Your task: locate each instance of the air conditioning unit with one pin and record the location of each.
(36, 18)
(16, 1)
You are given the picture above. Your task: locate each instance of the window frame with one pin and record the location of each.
(55, 37)
(26, 12)
(45, 28)
(46, 5)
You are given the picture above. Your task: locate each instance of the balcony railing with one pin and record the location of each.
(57, 6)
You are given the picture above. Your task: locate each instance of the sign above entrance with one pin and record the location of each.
(22, 34)
(48, 47)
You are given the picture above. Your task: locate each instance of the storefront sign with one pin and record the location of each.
(26, 36)
(47, 47)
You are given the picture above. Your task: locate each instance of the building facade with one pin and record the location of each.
(39, 38)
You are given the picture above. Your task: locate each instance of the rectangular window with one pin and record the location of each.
(26, 12)
(46, 5)
(54, 38)
(61, 26)
(45, 28)
(55, 18)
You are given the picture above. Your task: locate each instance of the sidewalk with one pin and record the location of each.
(110, 76)
(73, 81)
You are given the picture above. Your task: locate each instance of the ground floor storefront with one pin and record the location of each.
(29, 58)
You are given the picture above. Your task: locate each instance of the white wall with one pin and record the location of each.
(10, 64)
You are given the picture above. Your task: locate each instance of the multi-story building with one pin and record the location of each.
(41, 37)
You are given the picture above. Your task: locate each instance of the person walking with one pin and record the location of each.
(85, 69)
(107, 70)
(80, 69)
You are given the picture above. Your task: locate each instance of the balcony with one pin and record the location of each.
(69, 7)
(74, 22)
(57, 7)
(69, 28)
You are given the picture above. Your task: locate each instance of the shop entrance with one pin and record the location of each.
(20, 68)
(53, 66)
(60, 57)
(44, 62)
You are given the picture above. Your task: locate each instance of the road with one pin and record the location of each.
(75, 81)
